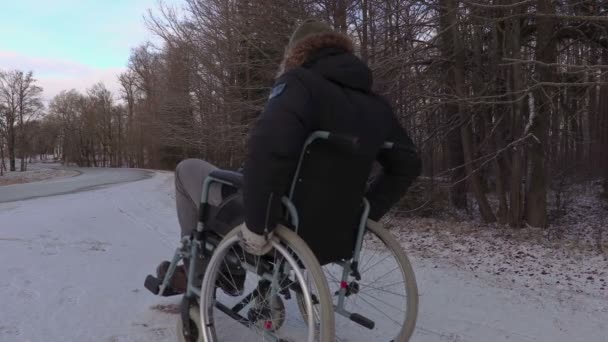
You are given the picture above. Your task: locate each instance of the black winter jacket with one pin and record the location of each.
(330, 92)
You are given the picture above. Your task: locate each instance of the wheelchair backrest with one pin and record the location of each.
(328, 190)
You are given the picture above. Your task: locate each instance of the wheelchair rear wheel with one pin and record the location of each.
(261, 310)
(384, 300)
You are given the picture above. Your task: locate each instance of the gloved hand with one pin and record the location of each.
(254, 243)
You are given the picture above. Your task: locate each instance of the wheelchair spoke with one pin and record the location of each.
(381, 311)
(381, 289)
(231, 280)
(256, 287)
(375, 282)
(391, 305)
(381, 295)
(376, 264)
(364, 267)
(388, 272)
(384, 281)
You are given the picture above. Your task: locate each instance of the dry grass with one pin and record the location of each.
(570, 255)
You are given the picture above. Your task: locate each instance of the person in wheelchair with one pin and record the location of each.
(322, 85)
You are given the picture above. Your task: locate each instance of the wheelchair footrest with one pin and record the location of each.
(153, 285)
(363, 321)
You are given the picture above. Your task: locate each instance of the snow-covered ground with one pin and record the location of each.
(35, 172)
(73, 268)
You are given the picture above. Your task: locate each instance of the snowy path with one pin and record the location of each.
(37, 172)
(86, 179)
(73, 267)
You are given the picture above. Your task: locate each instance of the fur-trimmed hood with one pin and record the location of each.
(332, 55)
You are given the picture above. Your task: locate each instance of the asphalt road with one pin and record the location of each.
(89, 178)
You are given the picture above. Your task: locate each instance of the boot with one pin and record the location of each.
(179, 281)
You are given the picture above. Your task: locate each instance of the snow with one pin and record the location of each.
(458, 306)
(73, 269)
(570, 255)
(35, 172)
(73, 265)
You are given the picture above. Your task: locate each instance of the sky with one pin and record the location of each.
(72, 43)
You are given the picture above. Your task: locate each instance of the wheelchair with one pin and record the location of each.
(332, 274)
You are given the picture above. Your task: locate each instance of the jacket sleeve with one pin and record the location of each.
(273, 150)
(400, 167)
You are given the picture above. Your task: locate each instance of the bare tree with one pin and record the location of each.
(9, 101)
(3, 130)
(506, 99)
(66, 110)
(22, 98)
(129, 94)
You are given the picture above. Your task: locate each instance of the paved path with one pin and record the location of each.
(89, 178)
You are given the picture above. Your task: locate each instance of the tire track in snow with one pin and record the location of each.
(163, 238)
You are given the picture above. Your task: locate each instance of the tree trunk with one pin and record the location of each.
(594, 148)
(120, 154)
(458, 191)
(2, 165)
(454, 49)
(603, 123)
(372, 34)
(455, 153)
(501, 192)
(364, 25)
(546, 52)
(340, 16)
(22, 143)
(11, 146)
(467, 143)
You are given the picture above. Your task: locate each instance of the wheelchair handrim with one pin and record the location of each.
(406, 278)
(209, 280)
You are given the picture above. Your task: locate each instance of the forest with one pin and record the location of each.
(507, 100)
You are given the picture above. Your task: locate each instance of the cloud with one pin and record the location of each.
(54, 85)
(55, 75)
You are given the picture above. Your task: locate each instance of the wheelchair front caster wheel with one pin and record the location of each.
(195, 326)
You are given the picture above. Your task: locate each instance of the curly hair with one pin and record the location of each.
(298, 54)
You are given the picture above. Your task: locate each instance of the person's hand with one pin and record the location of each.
(253, 243)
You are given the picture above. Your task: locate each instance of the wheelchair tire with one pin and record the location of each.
(410, 280)
(284, 239)
(411, 287)
(195, 318)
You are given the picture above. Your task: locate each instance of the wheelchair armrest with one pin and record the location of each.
(234, 178)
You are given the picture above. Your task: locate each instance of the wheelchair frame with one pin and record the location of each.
(350, 267)
(191, 246)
